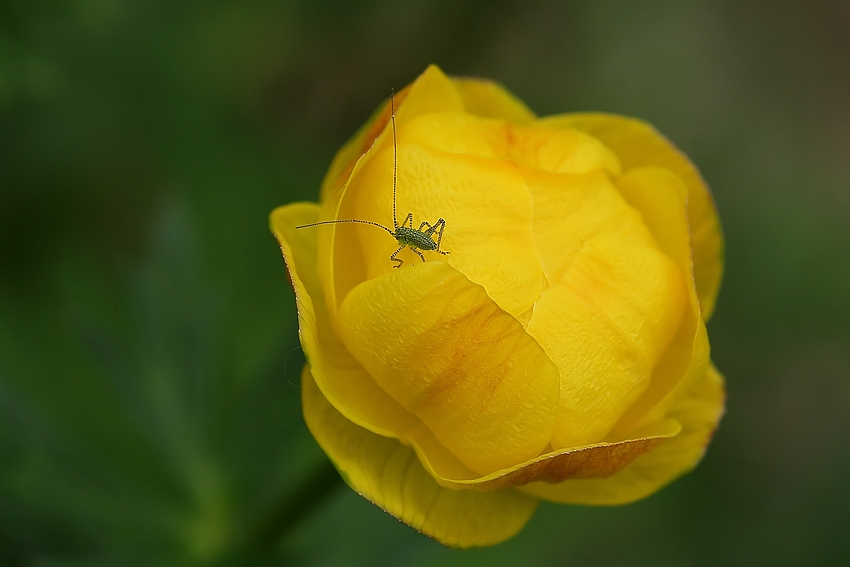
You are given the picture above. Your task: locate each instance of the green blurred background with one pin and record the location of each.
(148, 350)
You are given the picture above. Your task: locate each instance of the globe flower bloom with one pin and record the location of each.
(559, 351)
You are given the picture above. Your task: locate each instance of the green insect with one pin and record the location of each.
(414, 238)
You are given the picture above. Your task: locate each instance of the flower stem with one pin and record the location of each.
(301, 502)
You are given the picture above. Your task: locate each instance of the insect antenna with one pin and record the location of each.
(346, 220)
(415, 239)
(395, 154)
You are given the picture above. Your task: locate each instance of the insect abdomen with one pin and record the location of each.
(414, 238)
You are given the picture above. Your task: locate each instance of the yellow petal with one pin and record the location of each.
(571, 209)
(389, 474)
(430, 92)
(683, 387)
(488, 99)
(661, 197)
(343, 380)
(458, 133)
(598, 460)
(488, 214)
(549, 149)
(699, 410)
(605, 324)
(448, 354)
(638, 144)
(560, 150)
(479, 97)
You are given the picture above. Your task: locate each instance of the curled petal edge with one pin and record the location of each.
(598, 460)
(699, 410)
(342, 379)
(389, 474)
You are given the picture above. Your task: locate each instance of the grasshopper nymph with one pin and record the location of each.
(416, 239)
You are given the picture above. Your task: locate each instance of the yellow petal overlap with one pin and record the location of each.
(571, 209)
(560, 150)
(389, 474)
(662, 199)
(698, 410)
(491, 100)
(556, 150)
(448, 354)
(597, 460)
(344, 381)
(605, 324)
(638, 144)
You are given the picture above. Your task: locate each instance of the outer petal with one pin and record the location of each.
(447, 353)
(661, 198)
(699, 410)
(638, 144)
(390, 475)
(340, 376)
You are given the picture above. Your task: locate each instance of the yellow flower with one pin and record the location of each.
(559, 352)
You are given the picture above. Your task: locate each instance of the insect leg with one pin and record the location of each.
(399, 260)
(418, 253)
(408, 218)
(432, 228)
(442, 224)
(437, 227)
(429, 231)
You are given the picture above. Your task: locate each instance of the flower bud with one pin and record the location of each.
(552, 343)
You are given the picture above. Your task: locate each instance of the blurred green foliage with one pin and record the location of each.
(149, 408)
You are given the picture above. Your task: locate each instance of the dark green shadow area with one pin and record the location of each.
(149, 363)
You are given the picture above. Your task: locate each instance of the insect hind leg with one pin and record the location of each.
(437, 227)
